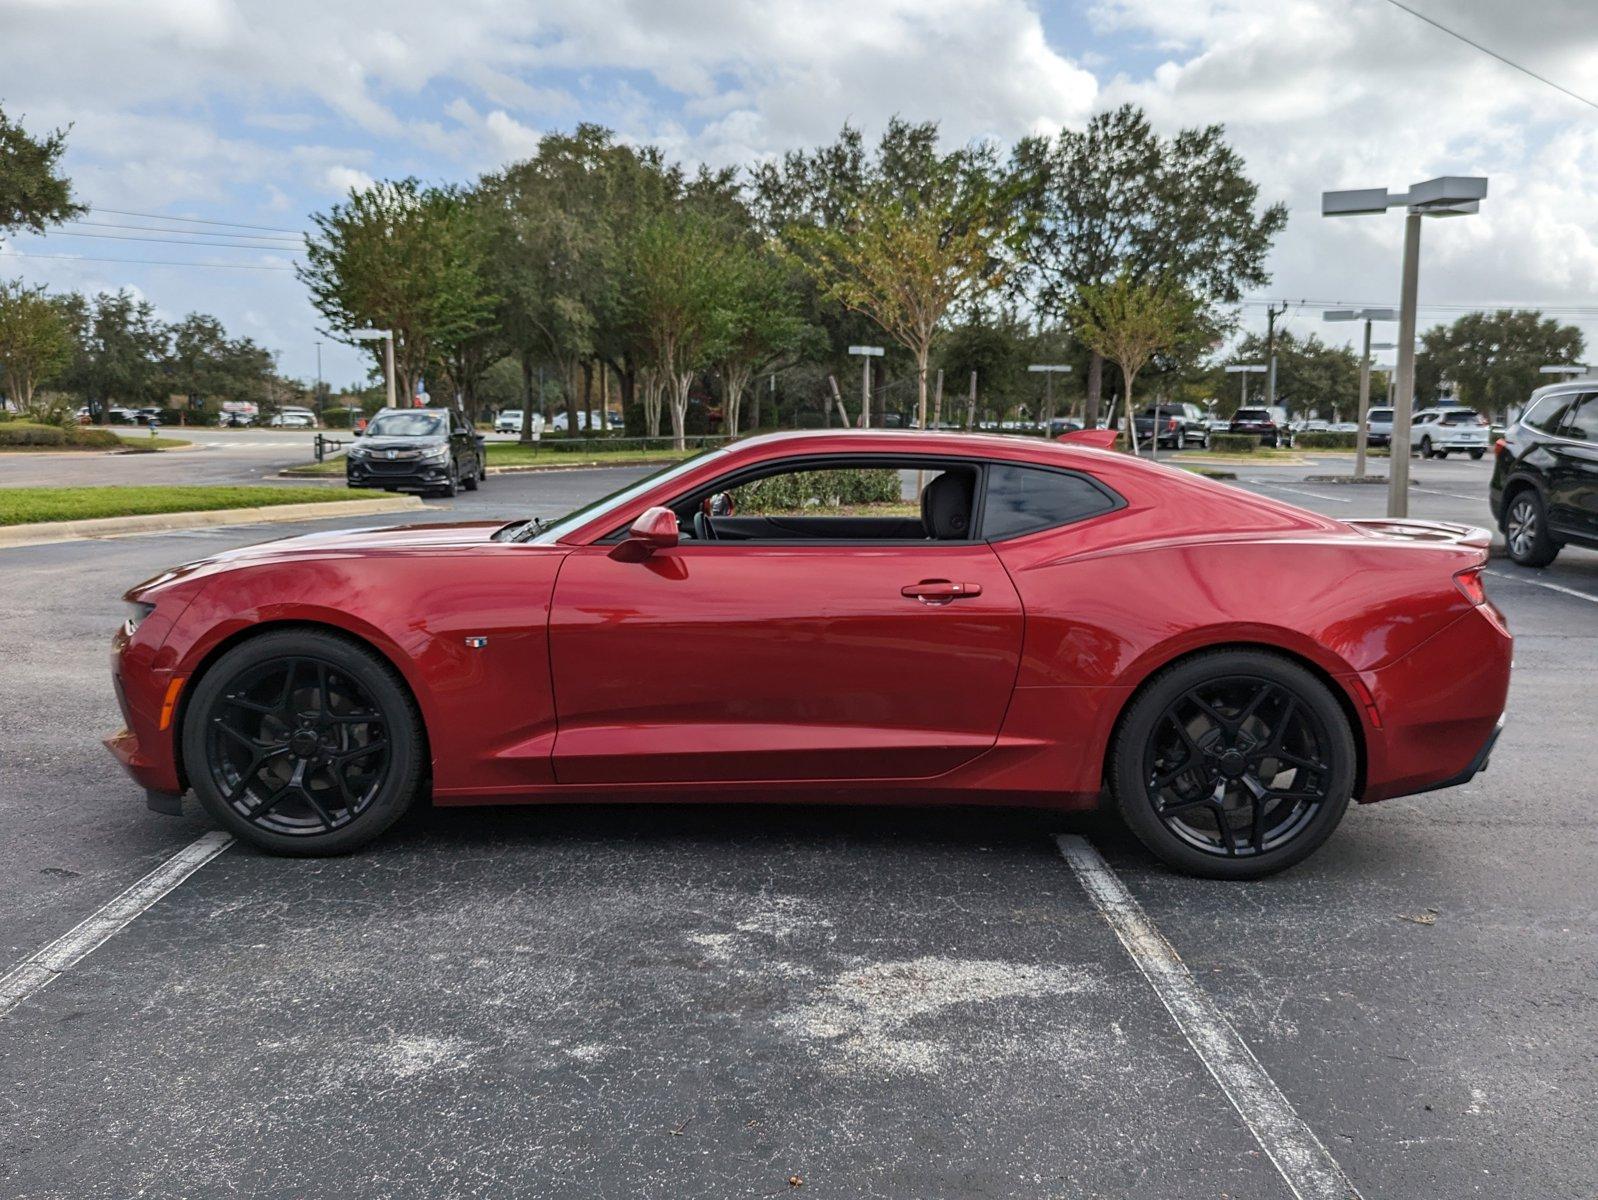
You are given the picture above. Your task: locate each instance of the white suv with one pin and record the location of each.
(1436, 431)
(510, 421)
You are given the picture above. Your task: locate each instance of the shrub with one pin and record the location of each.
(337, 418)
(826, 489)
(98, 439)
(1325, 439)
(32, 433)
(1234, 443)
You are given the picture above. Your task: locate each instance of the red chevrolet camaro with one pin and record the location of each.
(855, 616)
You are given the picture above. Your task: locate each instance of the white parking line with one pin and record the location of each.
(1300, 491)
(73, 946)
(1309, 1169)
(1552, 587)
(1450, 495)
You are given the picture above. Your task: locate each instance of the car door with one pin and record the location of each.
(795, 658)
(1573, 473)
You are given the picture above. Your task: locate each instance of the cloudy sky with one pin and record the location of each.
(259, 113)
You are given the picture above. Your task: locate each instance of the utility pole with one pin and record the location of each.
(319, 403)
(971, 406)
(1271, 313)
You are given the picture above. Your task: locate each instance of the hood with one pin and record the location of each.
(373, 443)
(443, 537)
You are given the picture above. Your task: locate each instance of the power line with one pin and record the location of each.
(1494, 54)
(194, 220)
(139, 237)
(1552, 306)
(254, 237)
(144, 262)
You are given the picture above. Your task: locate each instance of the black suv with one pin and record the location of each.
(1544, 491)
(1179, 425)
(1269, 424)
(417, 450)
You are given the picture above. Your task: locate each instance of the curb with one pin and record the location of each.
(104, 527)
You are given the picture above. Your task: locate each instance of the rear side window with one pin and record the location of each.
(1545, 414)
(1582, 422)
(1024, 499)
(1468, 416)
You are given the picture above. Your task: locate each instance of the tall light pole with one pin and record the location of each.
(386, 336)
(320, 404)
(867, 353)
(1447, 196)
(1367, 315)
(1243, 371)
(1048, 371)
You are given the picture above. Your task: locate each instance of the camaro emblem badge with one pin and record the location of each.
(477, 643)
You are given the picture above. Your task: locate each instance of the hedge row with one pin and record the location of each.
(828, 489)
(31, 433)
(1234, 443)
(1325, 439)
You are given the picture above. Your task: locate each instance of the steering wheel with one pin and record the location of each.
(704, 529)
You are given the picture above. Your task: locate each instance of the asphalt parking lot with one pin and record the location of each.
(712, 1002)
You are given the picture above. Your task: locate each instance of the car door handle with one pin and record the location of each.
(939, 591)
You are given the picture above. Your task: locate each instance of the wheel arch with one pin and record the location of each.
(239, 637)
(1325, 677)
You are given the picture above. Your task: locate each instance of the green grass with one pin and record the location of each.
(1259, 454)
(147, 444)
(26, 505)
(514, 454)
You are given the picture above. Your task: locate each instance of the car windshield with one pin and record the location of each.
(541, 533)
(406, 424)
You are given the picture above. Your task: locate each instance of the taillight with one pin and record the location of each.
(1470, 585)
(1171, 425)
(1500, 448)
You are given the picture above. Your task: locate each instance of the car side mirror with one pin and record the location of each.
(655, 529)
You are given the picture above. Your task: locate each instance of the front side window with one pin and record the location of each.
(1024, 499)
(881, 500)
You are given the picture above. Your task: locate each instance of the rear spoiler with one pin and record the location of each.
(1099, 439)
(1471, 536)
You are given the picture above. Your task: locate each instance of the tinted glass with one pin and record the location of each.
(1545, 414)
(1582, 423)
(1252, 414)
(1380, 414)
(1021, 499)
(406, 424)
(1467, 416)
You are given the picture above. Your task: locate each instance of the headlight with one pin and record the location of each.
(357, 451)
(137, 611)
(437, 454)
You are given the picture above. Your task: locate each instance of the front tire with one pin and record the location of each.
(1526, 530)
(1426, 447)
(1233, 764)
(303, 743)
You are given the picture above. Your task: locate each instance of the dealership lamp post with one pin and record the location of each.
(1048, 371)
(867, 353)
(1367, 315)
(386, 336)
(1245, 370)
(1447, 196)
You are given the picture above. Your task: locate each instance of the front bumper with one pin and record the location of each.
(400, 476)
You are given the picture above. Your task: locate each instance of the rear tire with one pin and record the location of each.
(1198, 766)
(1477, 454)
(1526, 530)
(303, 743)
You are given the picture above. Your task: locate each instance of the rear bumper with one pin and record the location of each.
(1440, 708)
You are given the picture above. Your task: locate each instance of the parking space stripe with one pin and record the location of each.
(73, 946)
(1542, 583)
(1303, 1162)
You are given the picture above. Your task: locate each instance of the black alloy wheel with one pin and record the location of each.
(452, 482)
(1234, 764)
(1526, 530)
(302, 743)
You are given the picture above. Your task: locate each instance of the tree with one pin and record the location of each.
(1310, 375)
(761, 326)
(680, 270)
(403, 257)
(122, 349)
(925, 233)
(1116, 198)
(35, 341)
(32, 194)
(1491, 359)
(1128, 322)
(204, 363)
